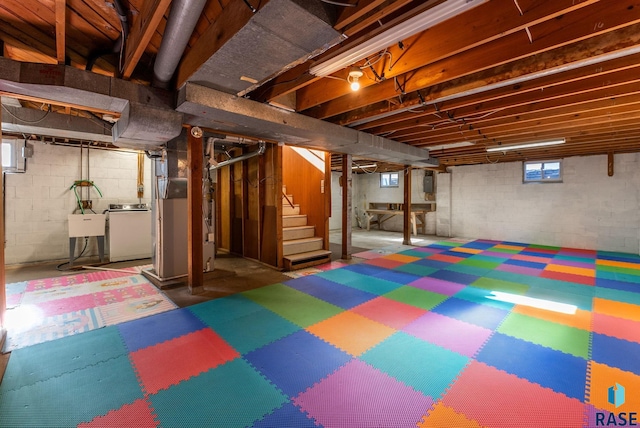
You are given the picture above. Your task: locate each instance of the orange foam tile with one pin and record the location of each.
(351, 332)
(571, 270)
(568, 277)
(401, 258)
(445, 258)
(602, 377)
(510, 247)
(467, 250)
(616, 327)
(581, 319)
(627, 265)
(535, 259)
(616, 309)
(384, 263)
(445, 417)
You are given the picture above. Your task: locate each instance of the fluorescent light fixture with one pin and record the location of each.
(450, 145)
(371, 165)
(526, 146)
(408, 28)
(548, 305)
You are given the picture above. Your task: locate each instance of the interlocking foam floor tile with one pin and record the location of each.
(416, 269)
(27, 366)
(447, 258)
(578, 262)
(483, 262)
(433, 264)
(150, 331)
(602, 377)
(389, 312)
(287, 416)
(579, 319)
(425, 367)
(384, 262)
(255, 330)
(136, 414)
(365, 269)
(562, 338)
(618, 295)
(519, 270)
(331, 292)
(568, 277)
(601, 272)
(419, 253)
(176, 360)
(480, 244)
(450, 333)
(524, 263)
(71, 398)
(618, 285)
(402, 257)
(498, 253)
(439, 286)
(460, 278)
(630, 270)
(483, 297)
(351, 332)
(581, 301)
(468, 270)
(358, 395)
(617, 309)
(472, 313)
(293, 305)
(509, 401)
(343, 276)
(224, 309)
(616, 327)
(442, 416)
(532, 258)
(415, 297)
(616, 352)
(296, 362)
(397, 277)
(561, 372)
(500, 285)
(373, 285)
(236, 396)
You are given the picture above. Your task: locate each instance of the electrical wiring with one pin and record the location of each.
(337, 3)
(23, 120)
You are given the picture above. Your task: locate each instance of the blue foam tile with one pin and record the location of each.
(365, 269)
(482, 296)
(340, 276)
(534, 253)
(435, 264)
(473, 313)
(458, 277)
(296, 362)
(331, 292)
(441, 246)
(514, 244)
(371, 284)
(618, 285)
(479, 245)
(459, 254)
(149, 331)
(553, 369)
(402, 278)
(525, 263)
(286, 416)
(618, 257)
(616, 353)
(618, 295)
(618, 276)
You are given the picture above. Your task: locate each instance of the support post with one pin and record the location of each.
(3, 301)
(347, 185)
(194, 202)
(406, 224)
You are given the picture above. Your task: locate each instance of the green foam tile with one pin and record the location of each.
(503, 250)
(373, 285)
(225, 309)
(617, 276)
(628, 272)
(341, 276)
(482, 262)
(470, 270)
(560, 337)
(416, 269)
(618, 295)
(500, 285)
(590, 260)
(545, 247)
(293, 305)
(416, 297)
(414, 253)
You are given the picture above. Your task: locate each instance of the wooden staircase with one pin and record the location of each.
(301, 248)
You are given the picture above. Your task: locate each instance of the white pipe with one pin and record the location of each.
(260, 151)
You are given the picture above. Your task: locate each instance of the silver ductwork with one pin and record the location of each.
(182, 21)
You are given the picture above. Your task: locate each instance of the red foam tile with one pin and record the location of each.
(136, 414)
(168, 363)
(534, 259)
(389, 312)
(445, 258)
(616, 327)
(541, 250)
(569, 277)
(497, 399)
(385, 263)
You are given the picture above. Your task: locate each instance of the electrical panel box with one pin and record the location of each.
(427, 183)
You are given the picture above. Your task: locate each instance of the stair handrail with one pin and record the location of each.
(288, 200)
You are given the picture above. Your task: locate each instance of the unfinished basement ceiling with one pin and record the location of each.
(503, 73)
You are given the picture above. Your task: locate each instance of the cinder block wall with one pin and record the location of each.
(38, 201)
(588, 210)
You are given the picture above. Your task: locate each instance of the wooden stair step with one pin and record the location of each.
(298, 232)
(303, 245)
(294, 220)
(306, 259)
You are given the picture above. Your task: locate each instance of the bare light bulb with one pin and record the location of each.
(355, 85)
(355, 73)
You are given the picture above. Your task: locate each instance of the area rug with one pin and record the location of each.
(47, 309)
(455, 334)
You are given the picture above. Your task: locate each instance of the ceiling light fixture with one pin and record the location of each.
(408, 28)
(371, 165)
(526, 146)
(354, 75)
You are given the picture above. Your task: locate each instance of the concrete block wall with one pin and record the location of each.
(39, 201)
(588, 210)
(366, 189)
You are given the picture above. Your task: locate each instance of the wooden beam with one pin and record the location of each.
(3, 298)
(406, 223)
(61, 19)
(234, 16)
(151, 14)
(347, 206)
(351, 14)
(194, 219)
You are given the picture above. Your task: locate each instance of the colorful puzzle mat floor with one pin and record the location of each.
(455, 334)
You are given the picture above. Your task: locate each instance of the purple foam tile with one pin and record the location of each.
(450, 333)
(357, 395)
(523, 270)
(498, 254)
(439, 286)
(574, 263)
(428, 250)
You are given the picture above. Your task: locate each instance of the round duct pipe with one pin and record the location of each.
(182, 21)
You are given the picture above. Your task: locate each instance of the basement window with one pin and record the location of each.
(542, 172)
(13, 156)
(389, 179)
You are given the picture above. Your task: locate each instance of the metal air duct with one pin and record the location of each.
(182, 21)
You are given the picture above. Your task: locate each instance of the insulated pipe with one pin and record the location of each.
(182, 21)
(260, 151)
